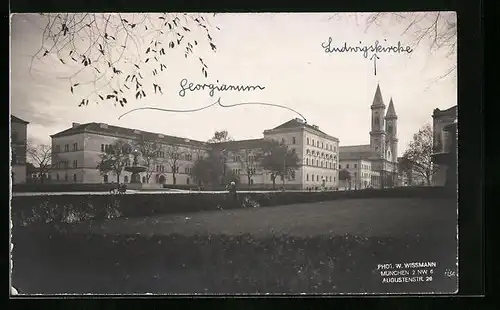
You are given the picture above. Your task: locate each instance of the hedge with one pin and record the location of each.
(26, 210)
(77, 187)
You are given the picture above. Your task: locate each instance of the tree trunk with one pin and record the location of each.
(274, 182)
(174, 179)
(249, 185)
(118, 179)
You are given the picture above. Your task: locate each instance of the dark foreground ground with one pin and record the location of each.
(328, 247)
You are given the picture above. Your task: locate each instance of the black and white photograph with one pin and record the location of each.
(233, 153)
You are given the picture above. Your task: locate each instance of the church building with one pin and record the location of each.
(374, 164)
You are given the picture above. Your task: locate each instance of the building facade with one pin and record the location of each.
(382, 152)
(444, 145)
(77, 151)
(317, 151)
(19, 138)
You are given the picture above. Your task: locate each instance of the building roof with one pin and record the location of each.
(391, 113)
(241, 144)
(126, 132)
(378, 101)
(16, 119)
(356, 152)
(448, 112)
(298, 123)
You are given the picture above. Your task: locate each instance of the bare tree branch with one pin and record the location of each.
(111, 51)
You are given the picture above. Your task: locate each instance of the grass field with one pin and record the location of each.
(361, 217)
(328, 247)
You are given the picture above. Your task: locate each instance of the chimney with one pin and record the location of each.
(299, 120)
(315, 127)
(137, 132)
(75, 125)
(160, 135)
(102, 125)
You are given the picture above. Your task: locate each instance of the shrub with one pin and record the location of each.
(71, 208)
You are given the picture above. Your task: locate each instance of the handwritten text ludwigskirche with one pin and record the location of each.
(366, 49)
(185, 85)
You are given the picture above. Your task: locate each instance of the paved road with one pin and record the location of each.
(138, 192)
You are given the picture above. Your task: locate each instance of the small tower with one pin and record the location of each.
(391, 129)
(377, 134)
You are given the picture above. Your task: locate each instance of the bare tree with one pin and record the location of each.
(278, 160)
(150, 151)
(220, 136)
(41, 156)
(173, 155)
(114, 159)
(250, 162)
(113, 53)
(419, 152)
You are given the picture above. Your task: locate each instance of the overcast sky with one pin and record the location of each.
(281, 52)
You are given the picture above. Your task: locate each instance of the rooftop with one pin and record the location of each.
(298, 123)
(356, 152)
(16, 119)
(125, 132)
(240, 144)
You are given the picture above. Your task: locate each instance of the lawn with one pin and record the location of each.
(326, 247)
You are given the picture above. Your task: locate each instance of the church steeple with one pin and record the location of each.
(378, 102)
(377, 134)
(391, 113)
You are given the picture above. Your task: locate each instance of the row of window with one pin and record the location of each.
(322, 145)
(57, 148)
(363, 174)
(367, 167)
(64, 164)
(160, 180)
(327, 179)
(250, 171)
(317, 163)
(313, 153)
(65, 177)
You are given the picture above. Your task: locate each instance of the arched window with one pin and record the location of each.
(125, 179)
(307, 161)
(293, 140)
(307, 141)
(307, 177)
(105, 178)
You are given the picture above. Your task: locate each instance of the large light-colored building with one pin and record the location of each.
(382, 152)
(77, 150)
(19, 138)
(317, 151)
(444, 145)
(76, 154)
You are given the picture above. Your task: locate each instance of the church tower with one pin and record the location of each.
(377, 134)
(391, 129)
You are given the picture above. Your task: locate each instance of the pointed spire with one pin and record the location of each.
(377, 100)
(391, 113)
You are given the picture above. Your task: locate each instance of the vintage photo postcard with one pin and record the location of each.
(185, 153)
